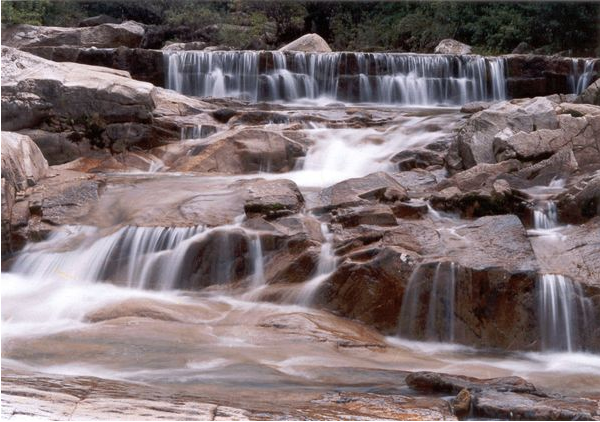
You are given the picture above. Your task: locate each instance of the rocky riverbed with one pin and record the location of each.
(288, 251)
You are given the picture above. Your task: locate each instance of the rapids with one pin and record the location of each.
(125, 295)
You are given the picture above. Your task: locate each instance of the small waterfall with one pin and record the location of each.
(409, 79)
(580, 81)
(256, 254)
(197, 131)
(563, 308)
(133, 255)
(146, 257)
(325, 268)
(564, 313)
(428, 304)
(545, 216)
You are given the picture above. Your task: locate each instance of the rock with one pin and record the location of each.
(57, 148)
(141, 64)
(558, 166)
(101, 106)
(185, 46)
(127, 34)
(461, 404)
(237, 151)
(493, 271)
(23, 164)
(582, 135)
(450, 46)
(528, 146)
(310, 43)
(522, 48)
(480, 177)
(591, 95)
(581, 201)
(369, 285)
(508, 405)
(98, 20)
(434, 382)
(417, 158)
(378, 214)
(223, 115)
(578, 110)
(474, 142)
(64, 397)
(475, 106)
(360, 191)
(271, 198)
(74, 91)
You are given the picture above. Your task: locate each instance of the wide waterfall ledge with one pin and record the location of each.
(386, 78)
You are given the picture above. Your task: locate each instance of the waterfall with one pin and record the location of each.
(132, 255)
(564, 313)
(545, 216)
(145, 257)
(197, 131)
(563, 309)
(325, 267)
(258, 276)
(580, 81)
(408, 79)
(428, 303)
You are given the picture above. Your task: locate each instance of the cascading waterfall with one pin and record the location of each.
(562, 306)
(197, 131)
(258, 276)
(545, 216)
(326, 266)
(132, 255)
(580, 81)
(410, 79)
(428, 304)
(564, 311)
(138, 257)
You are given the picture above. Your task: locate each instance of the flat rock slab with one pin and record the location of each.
(89, 398)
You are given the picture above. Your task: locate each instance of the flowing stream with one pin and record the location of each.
(195, 305)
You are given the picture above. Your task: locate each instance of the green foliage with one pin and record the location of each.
(29, 12)
(490, 27)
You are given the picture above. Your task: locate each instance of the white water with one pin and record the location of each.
(428, 304)
(325, 268)
(258, 276)
(563, 308)
(339, 154)
(580, 81)
(411, 79)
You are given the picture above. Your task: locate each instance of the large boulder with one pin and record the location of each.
(237, 151)
(510, 398)
(271, 198)
(591, 95)
(100, 106)
(142, 64)
(23, 165)
(450, 46)
(473, 284)
(22, 161)
(474, 142)
(309, 43)
(127, 34)
(378, 187)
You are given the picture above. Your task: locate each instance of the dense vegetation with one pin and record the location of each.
(401, 26)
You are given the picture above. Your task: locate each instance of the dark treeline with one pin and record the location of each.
(497, 27)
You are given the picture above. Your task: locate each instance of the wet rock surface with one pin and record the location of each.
(216, 225)
(509, 398)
